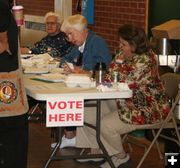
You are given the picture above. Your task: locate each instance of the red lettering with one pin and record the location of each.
(71, 104)
(52, 117)
(62, 105)
(65, 117)
(61, 117)
(70, 117)
(79, 104)
(52, 107)
(78, 117)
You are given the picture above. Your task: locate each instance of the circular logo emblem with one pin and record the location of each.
(8, 92)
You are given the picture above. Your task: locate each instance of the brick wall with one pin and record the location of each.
(37, 7)
(108, 16)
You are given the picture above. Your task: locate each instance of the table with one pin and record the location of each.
(41, 90)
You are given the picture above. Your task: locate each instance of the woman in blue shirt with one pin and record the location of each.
(88, 50)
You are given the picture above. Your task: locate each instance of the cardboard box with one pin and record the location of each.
(169, 30)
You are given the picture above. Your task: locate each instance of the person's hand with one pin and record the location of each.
(4, 45)
(119, 58)
(77, 69)
(67, 68)
(25, 50)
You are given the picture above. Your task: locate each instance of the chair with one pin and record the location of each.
(37, 111)
(172, 87)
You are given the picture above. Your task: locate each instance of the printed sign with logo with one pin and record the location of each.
(8, 92)
(64, 111)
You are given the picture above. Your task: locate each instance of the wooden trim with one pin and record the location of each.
(63, 7)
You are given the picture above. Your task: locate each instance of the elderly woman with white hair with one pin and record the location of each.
(55, 43)
(88, 50)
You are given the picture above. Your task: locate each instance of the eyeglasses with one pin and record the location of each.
(51, 23)
(72, 34)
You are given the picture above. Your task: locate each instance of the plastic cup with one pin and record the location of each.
(18, 14)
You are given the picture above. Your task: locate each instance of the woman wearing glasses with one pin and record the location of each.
(55, 43)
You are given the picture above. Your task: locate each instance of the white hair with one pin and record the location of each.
(77, 22)
(56, 15)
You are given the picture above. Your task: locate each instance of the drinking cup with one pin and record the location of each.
(18, 14)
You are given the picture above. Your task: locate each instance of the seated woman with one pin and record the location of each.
(88, 50)
(148, 105)
(55, 43)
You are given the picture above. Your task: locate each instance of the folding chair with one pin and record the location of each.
(37, 111)
(172, 87)
(172, 82)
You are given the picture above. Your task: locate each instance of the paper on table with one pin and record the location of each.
(45, 57)
(52, 77)
(38, 60)
(27, 63)
(40, 87)
(58, 70)
(36, 70)
(116, 87)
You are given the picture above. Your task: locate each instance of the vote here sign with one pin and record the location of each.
(64, 111)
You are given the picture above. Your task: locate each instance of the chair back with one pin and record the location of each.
(171, 83)
(172, 86)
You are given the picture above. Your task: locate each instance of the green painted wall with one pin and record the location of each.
(161, 11)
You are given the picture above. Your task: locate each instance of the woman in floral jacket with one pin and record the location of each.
(140, 70)
(136, 65)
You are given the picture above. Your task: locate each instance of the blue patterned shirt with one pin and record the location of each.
(56, 46)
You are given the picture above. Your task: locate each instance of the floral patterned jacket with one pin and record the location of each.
(149, 103)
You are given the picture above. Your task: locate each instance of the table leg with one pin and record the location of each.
(97, 128)
(56, 148)
(98, 132)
